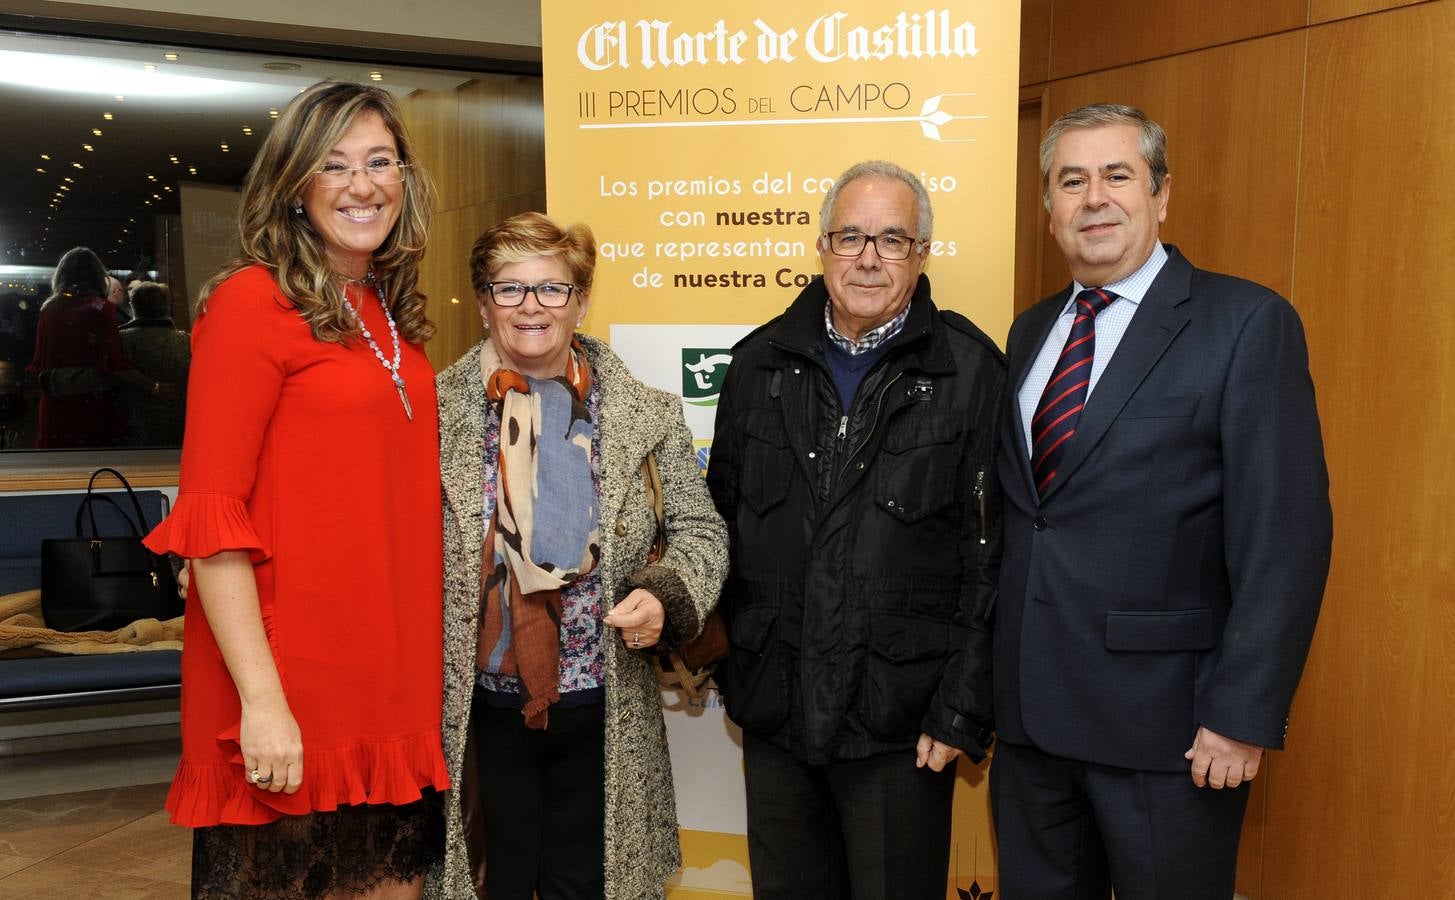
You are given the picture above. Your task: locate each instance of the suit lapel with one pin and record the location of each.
(1158, 319)
(1038, 323)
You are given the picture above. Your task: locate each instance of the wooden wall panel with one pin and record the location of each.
(1090, 35)
(484, 144)
(1030, 218)
(446, 273)
(432, 118)
(1035, 40)
(1231, 115)
(1329, 10)
(1363, 802)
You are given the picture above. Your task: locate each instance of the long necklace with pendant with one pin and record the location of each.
(391, 368)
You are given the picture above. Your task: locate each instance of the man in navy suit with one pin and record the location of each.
(1167, 536)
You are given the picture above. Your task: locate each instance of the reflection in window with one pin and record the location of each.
(134, 153)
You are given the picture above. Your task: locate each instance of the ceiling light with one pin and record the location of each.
(118, 79)
(376, 76)
(107, 116)
(150, 67)
(45, 156)
(247, 129)
(96, 131)
(64, 187)
(69, 179)
(192, 170)
(40, 170)
(167, 187)
(173, 158)
(88, 148)
(224, 147)
(273, 113)
(151, 177)
(77, 165)
(171, 56)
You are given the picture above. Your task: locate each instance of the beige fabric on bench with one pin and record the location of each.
(23, 632)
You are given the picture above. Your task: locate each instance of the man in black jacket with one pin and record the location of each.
(854, 463)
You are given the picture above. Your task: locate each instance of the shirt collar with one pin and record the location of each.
(1132, 288)
(869, 339)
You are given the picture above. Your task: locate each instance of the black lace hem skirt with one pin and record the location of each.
(354, 849)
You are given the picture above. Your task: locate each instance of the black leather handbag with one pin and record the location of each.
(101, 583)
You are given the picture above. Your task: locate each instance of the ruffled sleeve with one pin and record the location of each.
(240, 353)
(202, 524)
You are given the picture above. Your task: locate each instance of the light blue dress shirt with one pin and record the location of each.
(1111, 324)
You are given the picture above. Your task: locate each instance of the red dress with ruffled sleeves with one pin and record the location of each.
(299, 452)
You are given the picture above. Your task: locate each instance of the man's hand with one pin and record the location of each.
(1219, 762)
(933, 753)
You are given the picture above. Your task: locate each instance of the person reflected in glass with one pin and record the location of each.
(154, 345)
(77, 342)
(552, 606)
(309, 511)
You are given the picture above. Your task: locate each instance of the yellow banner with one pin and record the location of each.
(698, 140)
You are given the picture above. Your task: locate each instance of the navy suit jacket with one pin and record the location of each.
(1172, 575)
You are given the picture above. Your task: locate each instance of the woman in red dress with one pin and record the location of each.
(309, 508)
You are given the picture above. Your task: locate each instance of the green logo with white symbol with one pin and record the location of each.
(703, 371)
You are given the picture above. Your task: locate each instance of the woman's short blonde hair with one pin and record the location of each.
(281, 239)
(528, 236)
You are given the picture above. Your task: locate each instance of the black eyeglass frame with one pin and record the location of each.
(490, 287)
(915, 244)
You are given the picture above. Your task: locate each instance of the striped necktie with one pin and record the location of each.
(1065, 394)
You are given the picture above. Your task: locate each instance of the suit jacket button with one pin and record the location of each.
(620, 526)
(1040, 524)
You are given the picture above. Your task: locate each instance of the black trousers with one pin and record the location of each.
(1072, 830)
(543, 798)
(868, 829)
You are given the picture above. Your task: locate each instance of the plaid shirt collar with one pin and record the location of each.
(870, 339)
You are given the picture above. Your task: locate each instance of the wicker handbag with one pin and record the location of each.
(688, 666)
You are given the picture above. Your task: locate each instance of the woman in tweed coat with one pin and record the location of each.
(640, 850)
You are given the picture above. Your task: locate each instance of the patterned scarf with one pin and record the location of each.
(545, 532)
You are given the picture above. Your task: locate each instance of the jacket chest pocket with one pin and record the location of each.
(917, 466)
(767, 465)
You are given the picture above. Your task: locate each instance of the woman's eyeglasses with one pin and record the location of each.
(548, 293)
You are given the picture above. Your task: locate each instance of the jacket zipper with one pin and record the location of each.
(979, 493)
(878, 408)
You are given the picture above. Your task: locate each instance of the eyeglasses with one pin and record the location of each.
(379, 170)
(548, 293)
(888, 246)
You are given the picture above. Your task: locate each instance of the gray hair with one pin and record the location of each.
(888, 171)
(1152, 140)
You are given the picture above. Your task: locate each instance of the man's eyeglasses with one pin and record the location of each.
(379, 170)
(888, 246)
(512, 293)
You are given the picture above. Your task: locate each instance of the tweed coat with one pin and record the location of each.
(642, 849)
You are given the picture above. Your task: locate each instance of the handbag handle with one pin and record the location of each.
(137, 527)
(102, 498)
(652, 478)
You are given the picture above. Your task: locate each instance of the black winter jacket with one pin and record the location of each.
(865, 544)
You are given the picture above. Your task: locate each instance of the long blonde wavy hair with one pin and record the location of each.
(286, 243)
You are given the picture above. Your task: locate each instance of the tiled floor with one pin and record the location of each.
(109, 839)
